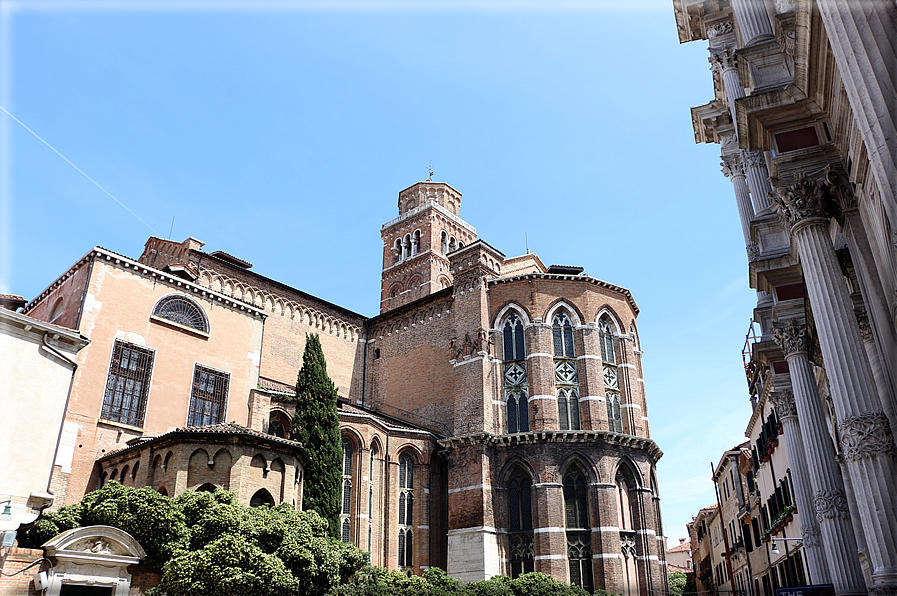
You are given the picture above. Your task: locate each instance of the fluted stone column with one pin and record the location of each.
(809, 526)
(829, 501)
(757, 178)
(722, 60)
(753, 21)
(733, 168)
(861, 35)
(867, 443)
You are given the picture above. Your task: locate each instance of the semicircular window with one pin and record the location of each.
(183, 311)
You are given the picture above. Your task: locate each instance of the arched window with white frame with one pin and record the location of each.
(181, 310)
(566, 377)
(406, 512)
(346, 509)
(611, 375)
(514, 379)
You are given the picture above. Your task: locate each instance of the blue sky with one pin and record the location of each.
(282, 132)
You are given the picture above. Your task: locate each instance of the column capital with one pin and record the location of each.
(866, 436)
(791, 337)
(784, 403)
(723, 58)
(831, 504)
(863, 324)
(732, 165)
(753, 159)
(753, 251)
(807, 198)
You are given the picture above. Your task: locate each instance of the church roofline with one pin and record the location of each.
(586, 278)
(100, 253)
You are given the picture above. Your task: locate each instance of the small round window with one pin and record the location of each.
(183, 311)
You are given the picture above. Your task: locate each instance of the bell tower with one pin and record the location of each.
(417, 243)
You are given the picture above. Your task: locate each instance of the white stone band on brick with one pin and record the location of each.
(474, 487)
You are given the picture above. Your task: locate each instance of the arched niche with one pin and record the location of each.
(91, 560)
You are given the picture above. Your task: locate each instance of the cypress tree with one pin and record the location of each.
(316, 426)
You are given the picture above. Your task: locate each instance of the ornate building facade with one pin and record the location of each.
(805, 111)
(493, 414)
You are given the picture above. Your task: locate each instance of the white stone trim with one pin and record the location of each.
(593, 398)
(647, 558)
(465, 488)
(648, 532)
(626, 365)
(549, 557)
(535, 397)
(547, 529)
(553, 484)
(472, 530)
(496, 402)
(482, 356)
(588, 357)
(423, 527)
(539, 354)
(606, 529)
(607, 556)
(631, 406)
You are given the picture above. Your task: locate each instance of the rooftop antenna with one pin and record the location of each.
(526, 240)
(430, 172)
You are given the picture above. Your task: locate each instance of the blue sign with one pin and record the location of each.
(820, 590)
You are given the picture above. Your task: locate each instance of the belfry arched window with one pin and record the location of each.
(520, 525)
(443, 238)
(566, 377)
(346, 510)
(183, 311)
(514, 379)
(611, 376)
(579, 535)
(406, 511)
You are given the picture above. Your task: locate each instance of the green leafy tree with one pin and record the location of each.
(209, 545)
(678, 580)
(316, 426)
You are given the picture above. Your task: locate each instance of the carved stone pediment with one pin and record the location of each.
(93, 556)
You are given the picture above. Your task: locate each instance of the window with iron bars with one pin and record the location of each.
(208, 398)
(128, 384)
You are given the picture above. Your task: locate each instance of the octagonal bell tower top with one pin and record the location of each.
(430, 192)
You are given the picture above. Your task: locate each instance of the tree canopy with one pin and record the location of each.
(209, 545)
(316, 426)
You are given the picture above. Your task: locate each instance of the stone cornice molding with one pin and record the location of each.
(866, 436)
(804, 202)
(791, 337)
(559, 277)
(784, 403)
(553, 436)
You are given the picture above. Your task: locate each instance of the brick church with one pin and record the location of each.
(493, 414)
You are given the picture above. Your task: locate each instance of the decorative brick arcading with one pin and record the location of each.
(866, 436)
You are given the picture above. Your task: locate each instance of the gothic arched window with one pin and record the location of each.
(373, 476)
(628, 533)
(566, 378)
(514, 376)
(520, 525)
(611, 375)
(346, 510)
(183, 311)
(579, 535)
(406, 511)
